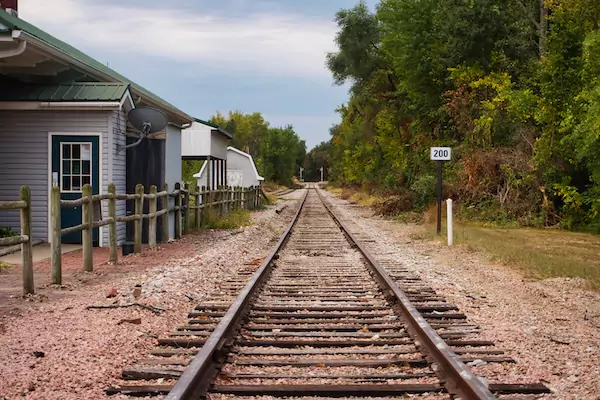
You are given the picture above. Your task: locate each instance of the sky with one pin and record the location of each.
(205, 56)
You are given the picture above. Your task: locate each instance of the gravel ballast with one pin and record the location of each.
(52, 347)
(551, 327)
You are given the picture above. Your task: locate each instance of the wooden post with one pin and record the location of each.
(152, 219)
(27, 247)
(234, 196)
(112, 228)
(165, 217)
(139, 211)
(55, 240)
(177, 210)
(87, 232)
(203, 197)
(225, 200)
(209, 183)
(197, 209)
(221, 198)
(186, 215)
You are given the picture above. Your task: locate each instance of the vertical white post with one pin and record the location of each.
(449, 220)
(321, 174)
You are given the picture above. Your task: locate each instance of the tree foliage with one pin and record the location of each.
(513, 86)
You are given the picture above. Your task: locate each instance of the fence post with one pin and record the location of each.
(165, 217)
(220, 205)
(152, 219)
(27, 247)
(204, 211)
(177, 210)
(234, 198)
(87, 232)
(228, 199)
(56, 236)
(186, 215)
(138, 223)
(197, 209)
(112, 228)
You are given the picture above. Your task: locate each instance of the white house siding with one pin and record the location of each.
(173, 165)
(195, 140)
(218, 145)
(24, 157)
(118, 173)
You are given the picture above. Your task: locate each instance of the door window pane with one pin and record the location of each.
(66, 183)
(76, 166)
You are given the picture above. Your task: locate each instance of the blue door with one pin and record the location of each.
(75, 162)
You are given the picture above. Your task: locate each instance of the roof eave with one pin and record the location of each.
(183, 117)
(215, 126)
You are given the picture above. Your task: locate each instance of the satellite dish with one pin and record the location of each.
(146, 120)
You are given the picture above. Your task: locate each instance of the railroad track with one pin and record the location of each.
(321, 317)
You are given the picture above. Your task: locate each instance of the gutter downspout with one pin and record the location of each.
(20, 49)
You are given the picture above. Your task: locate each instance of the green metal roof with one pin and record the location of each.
(217, 127)
(87, 91)
(13, 22)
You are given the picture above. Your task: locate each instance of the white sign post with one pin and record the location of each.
(440, 154)
(321, 169)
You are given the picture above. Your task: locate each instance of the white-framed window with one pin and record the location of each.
(75, 166)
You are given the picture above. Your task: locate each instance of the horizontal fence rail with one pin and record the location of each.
(191, 210)
(202, 205)
(24, 239)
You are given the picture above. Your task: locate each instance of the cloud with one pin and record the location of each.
(257, 43)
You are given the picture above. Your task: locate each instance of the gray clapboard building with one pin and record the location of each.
(63, 121)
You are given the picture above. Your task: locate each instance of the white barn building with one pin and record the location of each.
(241, 170)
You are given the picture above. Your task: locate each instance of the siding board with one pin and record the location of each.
(24, 157)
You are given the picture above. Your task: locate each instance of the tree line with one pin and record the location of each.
(512, 86)
(278, 152)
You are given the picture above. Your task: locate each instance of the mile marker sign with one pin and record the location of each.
(440, 153)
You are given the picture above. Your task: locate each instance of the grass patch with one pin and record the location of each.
(538, 253)
(233, 220)
(4, 265)
(364, 199)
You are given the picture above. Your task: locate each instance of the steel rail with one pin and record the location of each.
(197, 377)
(459, 379)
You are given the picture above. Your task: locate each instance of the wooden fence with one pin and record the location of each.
(24, 239)
(202, 204)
